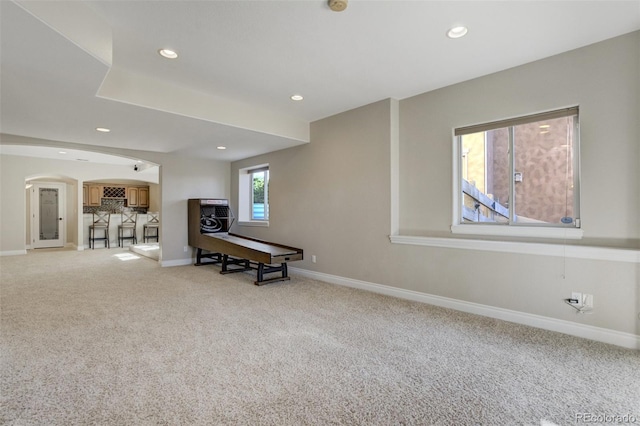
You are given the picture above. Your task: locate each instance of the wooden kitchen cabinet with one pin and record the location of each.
(138, 196)
(143, 196)
(132, 196)
(135, 195)
(94, 195)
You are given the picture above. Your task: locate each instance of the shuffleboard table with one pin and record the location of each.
(236, 253)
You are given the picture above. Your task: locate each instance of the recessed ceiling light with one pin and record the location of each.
(103, 129)
(457, 32)
(168, 53)
(297, 97)
(222, 147)
(62, 152)
(545, 126)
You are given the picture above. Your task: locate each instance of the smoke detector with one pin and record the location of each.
(338, 5)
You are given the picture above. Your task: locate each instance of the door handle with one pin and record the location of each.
(59, 218)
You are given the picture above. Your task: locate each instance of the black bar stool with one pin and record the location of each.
(153, 222)
(128, 223)
(101, 221)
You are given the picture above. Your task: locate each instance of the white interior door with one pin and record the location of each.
(47, 215)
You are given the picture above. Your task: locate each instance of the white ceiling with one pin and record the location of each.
(69, 67)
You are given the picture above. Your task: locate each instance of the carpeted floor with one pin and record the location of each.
(104, 337)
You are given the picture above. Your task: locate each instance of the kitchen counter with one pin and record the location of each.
(114, 221)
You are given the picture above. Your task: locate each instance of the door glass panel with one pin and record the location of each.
(49, 223)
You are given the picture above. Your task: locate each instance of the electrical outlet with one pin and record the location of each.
(186, 249)
(313, 258)
(577, 296)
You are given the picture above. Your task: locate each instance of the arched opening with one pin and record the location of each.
(128, 201)
(34, 166)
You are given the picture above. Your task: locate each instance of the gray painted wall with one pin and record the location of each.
(603, 79)
(319, 191)
(331, 196)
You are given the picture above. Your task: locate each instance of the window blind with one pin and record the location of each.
(566, 112)
(258, 169)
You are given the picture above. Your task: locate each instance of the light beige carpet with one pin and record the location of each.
(104, 337)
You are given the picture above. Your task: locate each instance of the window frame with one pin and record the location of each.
(245, 196)
(513, 228)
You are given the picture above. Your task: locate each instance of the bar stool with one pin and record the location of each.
(128, 223)
(101, 221)
(153, 222)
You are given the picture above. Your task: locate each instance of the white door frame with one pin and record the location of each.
(34, 215)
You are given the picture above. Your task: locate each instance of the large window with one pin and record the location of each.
(522, 172)
(253, 195)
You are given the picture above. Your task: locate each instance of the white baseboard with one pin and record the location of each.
(177, 262)
(13, 252)
(627, 340)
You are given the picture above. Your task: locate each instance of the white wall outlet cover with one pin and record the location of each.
(577, 296)
(588, 300)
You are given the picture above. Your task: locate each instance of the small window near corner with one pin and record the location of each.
(519, 176)
(253, 186)
(260, 194)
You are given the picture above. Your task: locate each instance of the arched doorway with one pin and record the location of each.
(73, 171)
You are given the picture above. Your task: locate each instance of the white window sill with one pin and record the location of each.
(260, 223)
(559, 250)
(518, 231)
